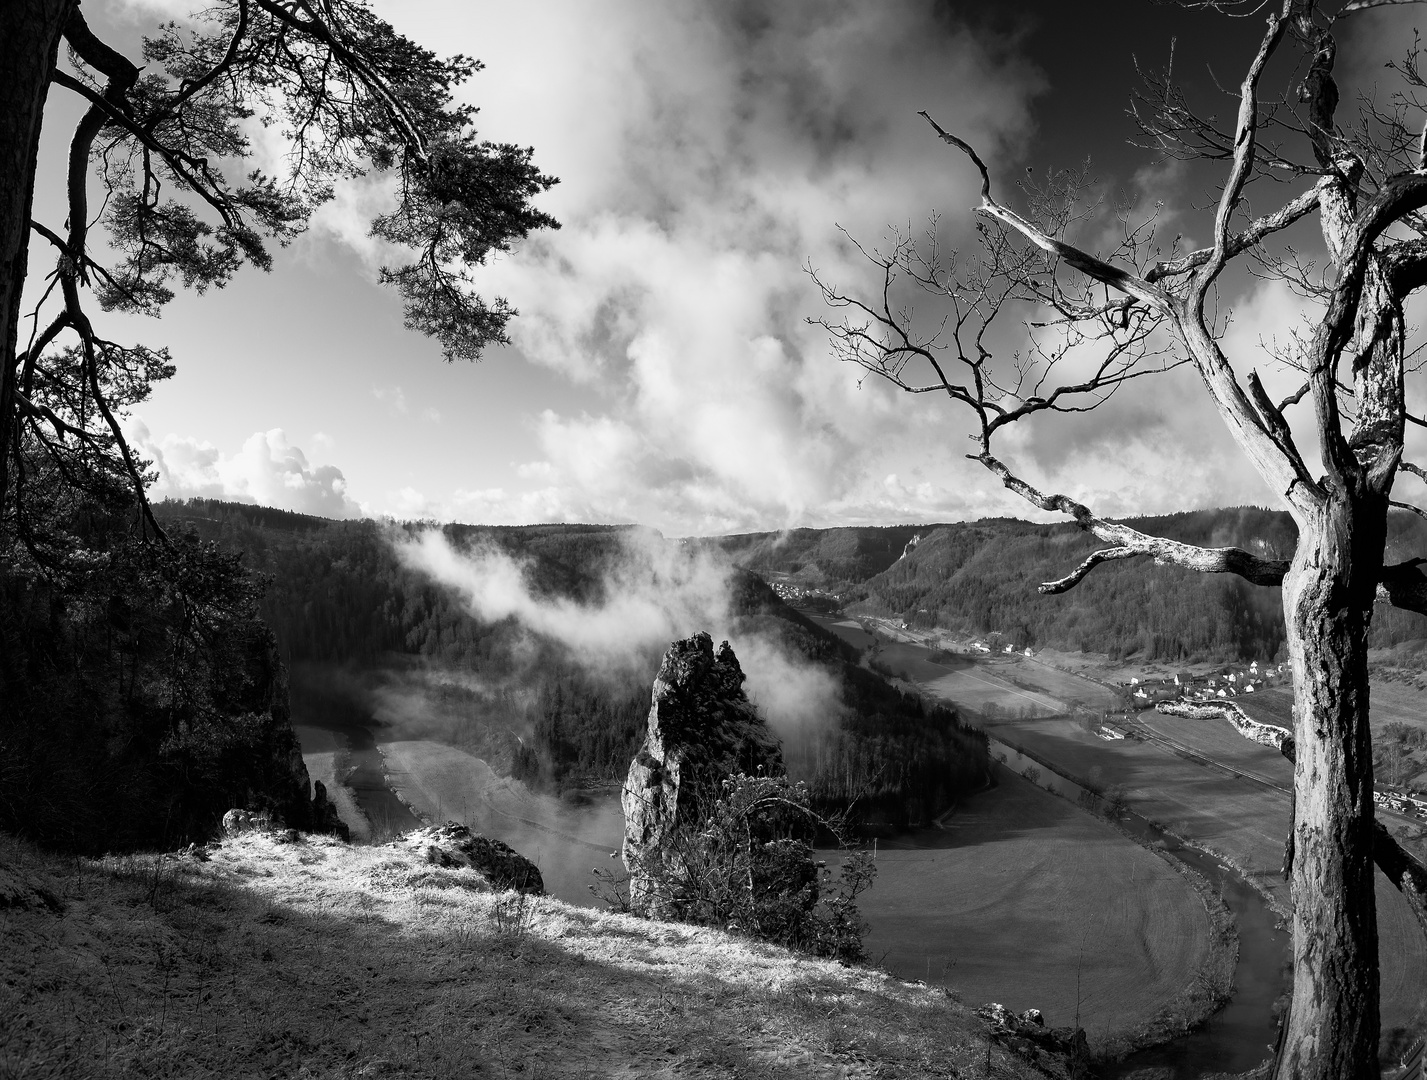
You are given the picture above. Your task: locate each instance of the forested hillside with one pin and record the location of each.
(828, 559)
(367, 638)
(980, 578)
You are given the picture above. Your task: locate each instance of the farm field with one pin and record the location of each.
(1398, 702)
(975, 687)
(445, 783)
(1063, 685)
(1218, 739)
(1274, 706)
(971, 683)
(321, 749)
(848, 629)
(1236, 817)
(1005, 903)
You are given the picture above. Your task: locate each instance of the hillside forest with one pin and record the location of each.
(979, 578)
(369, 640)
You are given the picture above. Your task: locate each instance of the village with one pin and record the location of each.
(1220, 688)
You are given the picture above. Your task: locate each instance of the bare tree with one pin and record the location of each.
(1141, 308)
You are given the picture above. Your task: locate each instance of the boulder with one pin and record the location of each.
(702, 729)
(236, 822)
(1055, 1051)
(454, 845)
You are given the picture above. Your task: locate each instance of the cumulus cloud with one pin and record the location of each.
(706, 154)
(267, 470)
(654, 592)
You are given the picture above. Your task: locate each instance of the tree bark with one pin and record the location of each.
(1333, 1024)
(30, 32)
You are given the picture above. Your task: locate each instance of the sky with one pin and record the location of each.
(662, 369)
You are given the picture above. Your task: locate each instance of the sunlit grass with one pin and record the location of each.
(316, 959)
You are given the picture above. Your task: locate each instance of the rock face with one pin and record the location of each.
(282, 785)
(702, 729)
(454, 845)
(1055, 1051)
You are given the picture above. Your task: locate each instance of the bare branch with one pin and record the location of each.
(1130, 543)
(1095, 558)
(1279, 220)
(1245, 140)
(1364, 5)
(1086, 263)
(1408, 507)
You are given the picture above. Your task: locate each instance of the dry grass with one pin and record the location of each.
(314, 959)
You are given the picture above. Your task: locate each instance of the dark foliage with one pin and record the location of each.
(141, 700)
(357, 626)
(745, 863)
(980, 578)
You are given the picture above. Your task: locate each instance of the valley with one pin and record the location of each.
(1218, 792)
(1008, 892)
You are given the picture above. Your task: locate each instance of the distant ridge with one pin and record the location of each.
(980, 578)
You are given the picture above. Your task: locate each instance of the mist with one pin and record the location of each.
(654, 592)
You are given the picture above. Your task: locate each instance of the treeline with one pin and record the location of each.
(981, 578)
(830, 559)
(368, 639)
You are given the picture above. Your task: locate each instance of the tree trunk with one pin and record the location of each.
(1333, 1023)
(30, 32)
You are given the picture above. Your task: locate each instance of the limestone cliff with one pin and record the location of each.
(702, 729)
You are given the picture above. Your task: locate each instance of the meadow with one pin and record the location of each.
(1025, 899)
(1237, 818)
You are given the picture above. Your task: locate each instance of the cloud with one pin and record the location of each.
(393, 397)
(706, 154)
(268, 470)
(654, 592)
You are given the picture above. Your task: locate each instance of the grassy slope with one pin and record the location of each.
(314, 959)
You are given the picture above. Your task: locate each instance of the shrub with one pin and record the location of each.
(746, 863)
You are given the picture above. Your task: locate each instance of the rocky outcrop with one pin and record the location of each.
(1061, 1051)
(702, 730)
(282, 786)
(454, 845)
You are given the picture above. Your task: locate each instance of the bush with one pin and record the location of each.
(746, 863)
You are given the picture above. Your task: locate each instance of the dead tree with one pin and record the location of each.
(1140, 309)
